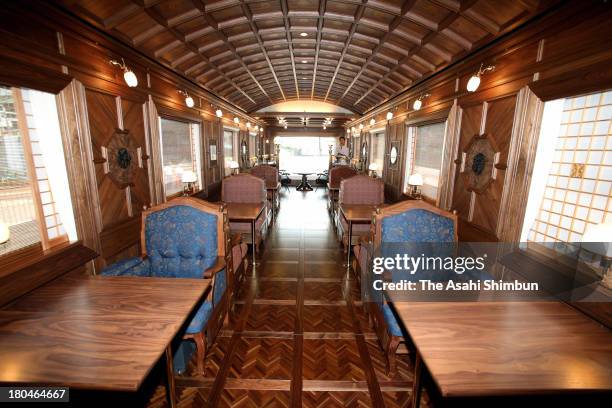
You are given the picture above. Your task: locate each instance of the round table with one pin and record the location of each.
(304, 185)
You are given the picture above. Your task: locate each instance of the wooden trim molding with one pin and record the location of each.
(28, 273)
(20, 74)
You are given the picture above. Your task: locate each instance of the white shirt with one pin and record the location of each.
(342, 150)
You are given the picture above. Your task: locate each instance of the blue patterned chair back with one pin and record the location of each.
(418, 226)
(181, 241)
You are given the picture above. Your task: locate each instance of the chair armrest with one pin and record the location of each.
(217, 267)
(122, 267)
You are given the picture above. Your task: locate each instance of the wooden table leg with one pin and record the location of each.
(170, 387)
(416, 385)
(348, 250)
(254, 241)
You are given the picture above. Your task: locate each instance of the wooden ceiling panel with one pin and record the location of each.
(355, 53)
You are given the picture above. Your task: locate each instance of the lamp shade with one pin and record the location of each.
(189, 177)
(596, 239)
(219, 113)
(373, 167)
(372, 122)
(234, 164)
(5, 233)
(130, 78)
(389, 115)
(189, 102)
(415, 179)
(473, 83)
(417, 104)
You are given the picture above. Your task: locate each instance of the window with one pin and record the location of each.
(377, 150)
(252, 147)
(570, 187)
(304, 154)
(230, 149)
(180, 153)
(35, 200)
(424, 152)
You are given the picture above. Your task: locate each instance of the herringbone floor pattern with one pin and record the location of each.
(297, 335)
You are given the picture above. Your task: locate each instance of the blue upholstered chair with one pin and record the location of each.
(417, 223)
(187, 238)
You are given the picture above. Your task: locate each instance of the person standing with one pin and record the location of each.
(342, 151)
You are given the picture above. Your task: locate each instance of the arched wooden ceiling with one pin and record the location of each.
(353, 53)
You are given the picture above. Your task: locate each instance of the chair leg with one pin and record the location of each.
(200, 342)
(392, 346)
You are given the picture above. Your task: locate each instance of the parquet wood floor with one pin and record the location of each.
(297, 335)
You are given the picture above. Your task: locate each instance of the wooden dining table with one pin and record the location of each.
(96, 333)
(355, 214)
(246, 212)
(507, 349)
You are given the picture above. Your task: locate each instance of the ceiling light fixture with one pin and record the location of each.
(304, 61)
(419, 102)
(324, 127)
(372, 122)
(474, 81)
(219, 113)
(128, 75)
(304, 34)
(257, 128)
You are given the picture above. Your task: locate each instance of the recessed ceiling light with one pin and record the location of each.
(304, 61)
(304, 34)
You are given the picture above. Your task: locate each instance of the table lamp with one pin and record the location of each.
(415, 181)
(596, 241)
(234, 166)
(189, 179)
(373, 167)
(5, 233)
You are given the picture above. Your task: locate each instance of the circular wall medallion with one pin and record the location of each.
(124, 158)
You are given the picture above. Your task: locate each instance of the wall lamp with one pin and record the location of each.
(389, 115)
(188, 99)
(219, 113)
(372, 122)
(248, 125)
(128, 75)
(474, 81)
(236, 120)
(419, 102)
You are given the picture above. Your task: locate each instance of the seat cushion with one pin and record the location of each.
(392, 323)
(128, 267)
(200, 319)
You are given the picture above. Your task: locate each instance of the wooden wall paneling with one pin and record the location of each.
(134, 121)
(498, 123)
(103, 120)
(445, 186)
(471, 118)
(521, 160)
(392, 176)
(75, 135)
(155, 152)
